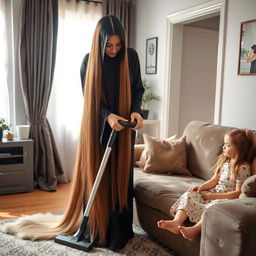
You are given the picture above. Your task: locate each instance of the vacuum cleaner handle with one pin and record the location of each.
(113, 134)
(128, 124)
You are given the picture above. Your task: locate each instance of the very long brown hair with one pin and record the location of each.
(114, 187)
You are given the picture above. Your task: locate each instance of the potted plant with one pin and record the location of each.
(3, 126)
(147, 97)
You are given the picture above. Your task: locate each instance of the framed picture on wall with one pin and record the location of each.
(247, 52)
(151, 55)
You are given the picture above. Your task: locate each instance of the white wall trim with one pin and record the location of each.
(173, 62)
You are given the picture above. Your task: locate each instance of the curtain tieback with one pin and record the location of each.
(38, 120)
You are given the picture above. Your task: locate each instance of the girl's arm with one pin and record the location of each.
(244, 173)
(207, 185)
(228, 195)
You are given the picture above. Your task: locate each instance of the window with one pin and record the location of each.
(77, 21)
(4, 95)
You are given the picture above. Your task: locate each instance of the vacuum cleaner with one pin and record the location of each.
(78, 240)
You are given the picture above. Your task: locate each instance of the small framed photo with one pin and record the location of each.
(247, 52)
(151, 55)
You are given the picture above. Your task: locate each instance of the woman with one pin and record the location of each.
(252, 59)
(111, 72)
(113, 91)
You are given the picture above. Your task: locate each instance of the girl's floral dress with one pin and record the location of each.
(193, 203)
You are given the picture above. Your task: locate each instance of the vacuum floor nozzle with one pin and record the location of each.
(72, 241)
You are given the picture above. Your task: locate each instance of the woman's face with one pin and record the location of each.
(113, 46)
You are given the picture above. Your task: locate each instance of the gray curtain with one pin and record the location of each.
(124, 10)
(37, 52)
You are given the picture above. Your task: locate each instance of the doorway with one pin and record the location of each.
(177, 23)
(198, 72)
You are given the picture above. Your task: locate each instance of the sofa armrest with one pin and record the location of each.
(228, 228)
(138, 148)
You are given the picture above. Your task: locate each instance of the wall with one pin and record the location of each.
(211, 23)
(198, 82)
(151, 21)
(239, 91)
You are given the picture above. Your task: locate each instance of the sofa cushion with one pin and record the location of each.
(164, 156)
(142, 161)
(204, 145)
(143, 157)
(138, 149)
(248, 188)
(160, 191)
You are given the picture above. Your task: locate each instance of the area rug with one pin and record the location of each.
(140, 245)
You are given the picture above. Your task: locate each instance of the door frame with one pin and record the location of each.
(173, 68)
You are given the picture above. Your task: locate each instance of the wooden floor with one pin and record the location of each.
(38, 201)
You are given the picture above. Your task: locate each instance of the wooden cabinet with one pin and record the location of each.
(16, 166)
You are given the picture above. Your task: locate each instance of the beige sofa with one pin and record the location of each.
(229, 228)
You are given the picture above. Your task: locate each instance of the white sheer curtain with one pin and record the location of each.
(77, 21)
(4, 95)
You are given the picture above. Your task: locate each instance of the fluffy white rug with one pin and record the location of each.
(140, 245)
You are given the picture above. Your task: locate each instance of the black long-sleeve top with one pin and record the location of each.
(110, 85)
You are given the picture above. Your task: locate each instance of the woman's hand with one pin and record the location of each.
(251, 53)
(138, 117)
(112, 120)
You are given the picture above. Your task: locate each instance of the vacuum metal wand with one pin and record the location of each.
(97, 181)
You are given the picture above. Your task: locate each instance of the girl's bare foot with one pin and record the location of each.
(170, 225)
(190, 233)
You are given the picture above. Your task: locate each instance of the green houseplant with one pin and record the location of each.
(147, 97)
(3, 126)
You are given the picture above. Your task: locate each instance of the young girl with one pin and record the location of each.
(231, 170)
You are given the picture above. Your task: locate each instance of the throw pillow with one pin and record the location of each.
(141, 163)
(165, 156)
(248, 188)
